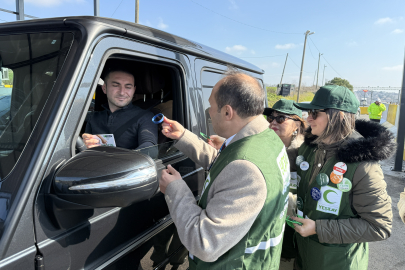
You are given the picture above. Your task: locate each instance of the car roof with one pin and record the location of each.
(93, 27)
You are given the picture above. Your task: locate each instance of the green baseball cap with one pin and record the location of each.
(332, 97)
(284, 106)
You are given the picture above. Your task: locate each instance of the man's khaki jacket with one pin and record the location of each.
(234, 200)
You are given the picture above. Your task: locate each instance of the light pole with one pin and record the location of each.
(307, 33)
(20, 10)
(137, 11)
(96, 8)
(319, 60)
(323, 76)
(282, 75)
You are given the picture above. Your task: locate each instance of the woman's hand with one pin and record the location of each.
(307, 228)
(216, 141)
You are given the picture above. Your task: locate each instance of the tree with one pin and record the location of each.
(341, 82)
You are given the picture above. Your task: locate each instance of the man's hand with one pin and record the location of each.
(216, 141)
(90, 140)
(169, 175)
(308, 226)
(172, 129)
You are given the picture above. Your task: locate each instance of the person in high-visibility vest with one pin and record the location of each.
(375, 110)
(239, 220)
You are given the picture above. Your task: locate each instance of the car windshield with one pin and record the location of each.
(30, 64)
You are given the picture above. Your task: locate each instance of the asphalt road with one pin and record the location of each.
(389, 254)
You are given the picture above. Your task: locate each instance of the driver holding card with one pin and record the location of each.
(121, 124)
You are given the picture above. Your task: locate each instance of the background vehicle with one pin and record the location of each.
(63, 208)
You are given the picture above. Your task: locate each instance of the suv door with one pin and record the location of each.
(105, 235)
(208, 74)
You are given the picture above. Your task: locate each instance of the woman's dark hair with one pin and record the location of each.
(242, 92)
(340, 125)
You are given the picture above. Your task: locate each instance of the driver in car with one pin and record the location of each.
(131, 126)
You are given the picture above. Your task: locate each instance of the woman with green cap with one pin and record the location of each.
(342, 196)
(286, 121)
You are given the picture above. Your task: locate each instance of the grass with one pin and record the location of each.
(273, 98)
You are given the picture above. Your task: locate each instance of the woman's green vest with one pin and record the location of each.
(334, 204)
(260, 248)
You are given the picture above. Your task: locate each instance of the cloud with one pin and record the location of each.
(238, 49)
(162, 25)
(274, 64)
(393, 68)
(233, 4)
(384, 21)
(285, 46)
(397, 31)
(352, 44)
(252, 52)
(52, 3)
(146, 23)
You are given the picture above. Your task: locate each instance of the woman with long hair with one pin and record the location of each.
(342, 200)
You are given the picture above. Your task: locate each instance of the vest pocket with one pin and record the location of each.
(325, 257)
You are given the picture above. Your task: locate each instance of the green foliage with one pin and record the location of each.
(273, 98)
(341, 82)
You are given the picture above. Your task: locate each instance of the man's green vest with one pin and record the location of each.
(333, 204)
(260, 248)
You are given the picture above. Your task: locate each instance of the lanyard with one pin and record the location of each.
(219, 152)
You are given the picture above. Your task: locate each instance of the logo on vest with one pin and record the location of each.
(206, 183)
(284, 166)
(330, 201)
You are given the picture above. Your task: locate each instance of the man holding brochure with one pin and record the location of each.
(130, 126)
(238, 223)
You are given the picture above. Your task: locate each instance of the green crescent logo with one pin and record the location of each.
(325, 196)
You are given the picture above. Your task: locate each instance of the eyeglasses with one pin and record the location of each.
(279, 118)
(314, 113)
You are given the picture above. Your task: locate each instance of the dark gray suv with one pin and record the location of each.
(65, 207)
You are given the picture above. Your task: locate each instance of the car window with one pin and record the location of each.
(30, 66)
(158, 91)
(6, 87)
(208, 81)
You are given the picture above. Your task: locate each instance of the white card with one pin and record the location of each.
(106, 139)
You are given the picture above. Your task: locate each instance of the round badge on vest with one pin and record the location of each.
(335, 179)
(322, 179)
(340, 168)
(304, 166)
(300, 203)
(345, 185)
(316, 194)
(299, 159)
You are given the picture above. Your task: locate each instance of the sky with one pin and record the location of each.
(361, 41)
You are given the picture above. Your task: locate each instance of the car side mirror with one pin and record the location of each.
(106, 177)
